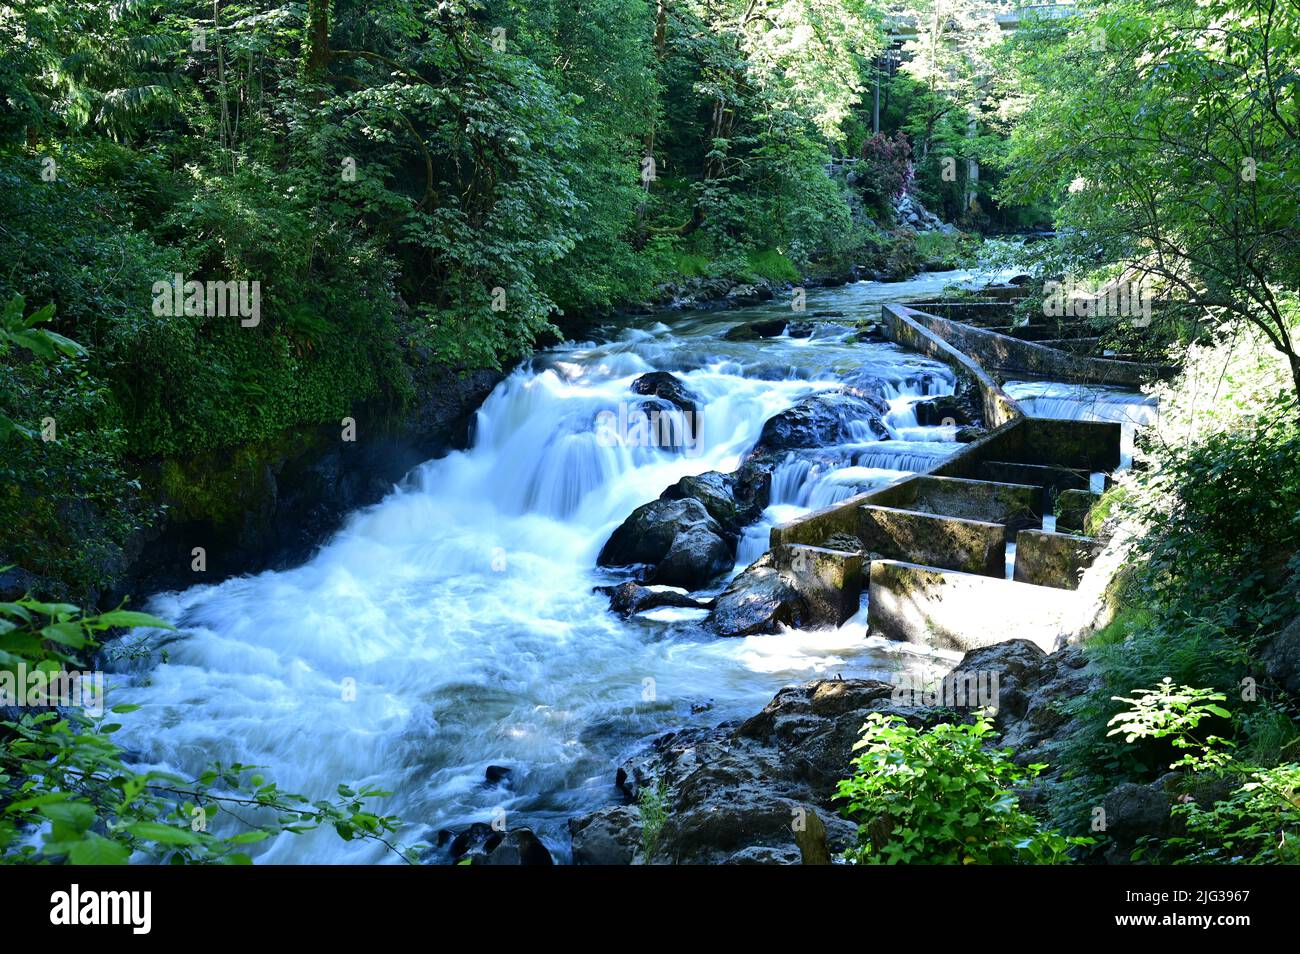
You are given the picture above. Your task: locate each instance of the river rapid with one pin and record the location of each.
(453, 626)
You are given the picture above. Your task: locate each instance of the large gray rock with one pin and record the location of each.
(678, 539)
(820, 420)
(696, 556)
(759, 600)
(730, 499)
(611, 836)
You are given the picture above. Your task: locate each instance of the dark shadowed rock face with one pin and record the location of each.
(768, 328)
(759, 600)
(738, 794)
(1281, 657)
(820, 420)
(678, 539)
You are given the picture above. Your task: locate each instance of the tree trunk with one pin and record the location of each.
(316, 56)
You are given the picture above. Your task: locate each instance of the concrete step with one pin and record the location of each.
(973, 546)
(948, 609)
(1053, 559)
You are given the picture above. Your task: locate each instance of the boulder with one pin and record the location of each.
(648, 533)
(830, 417)
(696, 556)
(767, 328)
(759, 600)
(611, 836)
(519, 846)
(727, 497)
(948, 409)
(667, 387)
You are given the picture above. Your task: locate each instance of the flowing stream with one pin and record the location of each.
(453, 627)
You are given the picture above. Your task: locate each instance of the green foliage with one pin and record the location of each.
(652, 803)
(70, 796)
(1257, 823)
(939, 796)
(1165, 135)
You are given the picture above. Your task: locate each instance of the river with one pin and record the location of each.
(453, 627)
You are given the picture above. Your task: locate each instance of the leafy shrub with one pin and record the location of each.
(1259, 821)
(886, 169)
(939, 796)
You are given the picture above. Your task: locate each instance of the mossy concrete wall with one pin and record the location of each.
(901, 327)
(943, 609)
(830, 581)
(1081, 446)
(996, 352)
(1072, 509)
(974, 546)
(1053, 559)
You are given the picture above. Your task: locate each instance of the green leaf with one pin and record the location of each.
(97, 850)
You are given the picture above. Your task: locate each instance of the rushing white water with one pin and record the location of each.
(453, 625)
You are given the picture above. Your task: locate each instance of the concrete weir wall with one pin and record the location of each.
(974, 546)
(999, 352)
(945, 609)
(936, 541)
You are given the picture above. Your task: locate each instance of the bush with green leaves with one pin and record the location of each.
(1259, 820)
(69, 795)
(942, 796)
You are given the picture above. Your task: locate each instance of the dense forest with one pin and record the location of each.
(385, 199)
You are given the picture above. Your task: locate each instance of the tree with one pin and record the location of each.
(1168, 137)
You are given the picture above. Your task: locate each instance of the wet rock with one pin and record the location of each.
(759, 600)
(496, 774)
(648, 533)
(718, 493)
(667, 387)
(966, 435)
(948, 409)
(764, 855)
(831, 417)
(519, 846)
(742, 295)
(767, 328)
(696, 556)
(478, 838)
(611, 836)
(628, 599)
